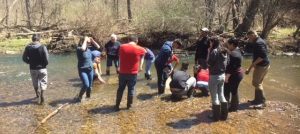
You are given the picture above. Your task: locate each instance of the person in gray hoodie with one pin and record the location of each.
(217, 62)
(36, 55)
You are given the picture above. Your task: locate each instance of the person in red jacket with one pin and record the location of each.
(130, 56)
(202, 80)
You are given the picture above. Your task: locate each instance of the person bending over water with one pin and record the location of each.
(96, 66)
(182, 83)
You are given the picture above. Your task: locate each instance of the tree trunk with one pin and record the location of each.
(235, 13)
(227, 18)
(7, 12)
(296, 32)
(116, 9)
(42, 12)
(27, 6)
(129, 10)
(210, 12)
(248, 19)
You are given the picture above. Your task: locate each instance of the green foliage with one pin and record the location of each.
(15, 44)
(282, 33)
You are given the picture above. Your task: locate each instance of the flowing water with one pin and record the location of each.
(151, 113)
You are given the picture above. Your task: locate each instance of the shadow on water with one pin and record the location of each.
(106, 109)
(170, 98)
(152, 85)
(62, 101)
(18, 103)
(146, 96)
(74, 80)
(245, 106)
(195, 120)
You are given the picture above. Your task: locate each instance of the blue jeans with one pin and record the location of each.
(86, 76)
(148, 66)
(128, 80)
(216, 87)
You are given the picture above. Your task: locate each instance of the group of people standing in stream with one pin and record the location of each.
(217, 70)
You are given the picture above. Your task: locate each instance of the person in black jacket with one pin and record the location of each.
(202, 49)
(261, 65)
(36, 55)
(234, 74)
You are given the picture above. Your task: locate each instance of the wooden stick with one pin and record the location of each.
(53, 113)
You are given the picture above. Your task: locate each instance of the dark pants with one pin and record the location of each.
(128, 80)
(161, 77)
(86, 76)
(231, 88)
(202, 63)
(112, 59)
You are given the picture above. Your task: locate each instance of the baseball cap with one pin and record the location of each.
(204, 29)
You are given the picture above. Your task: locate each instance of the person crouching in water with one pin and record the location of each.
(96, 66)
(217, 62)
(202, 76)
(181, 82)
(234, 74)
(85, 66)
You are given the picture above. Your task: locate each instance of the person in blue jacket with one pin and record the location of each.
(160, 62)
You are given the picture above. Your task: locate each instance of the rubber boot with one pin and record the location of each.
(41, 98)
(261, 100)
(37, 93)
(256, 95)
(79, 97)
(107, 72)
(216, 111)
(129, 102)
(191, 92)
(149, 77)
(234, 103)
(118, 101)
(224, 111)
(88, 93)
(161, 91)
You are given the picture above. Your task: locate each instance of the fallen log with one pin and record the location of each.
(53, 113)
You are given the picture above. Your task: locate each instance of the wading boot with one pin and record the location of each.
(261, 100)
(88, 93)
(161, 91)
(118, 101)
(224, 111)
(79, 97)
(37, 93)
(191, 92)
(149, 76)
(107, 72)
(255, 101)
(216, 111)
(41, 98)
(234, 105)
(129, 102)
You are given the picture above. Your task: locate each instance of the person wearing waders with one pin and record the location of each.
(36, 55)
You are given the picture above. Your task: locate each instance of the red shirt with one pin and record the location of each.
(173, 58)
(203, 75)
(130, 56)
